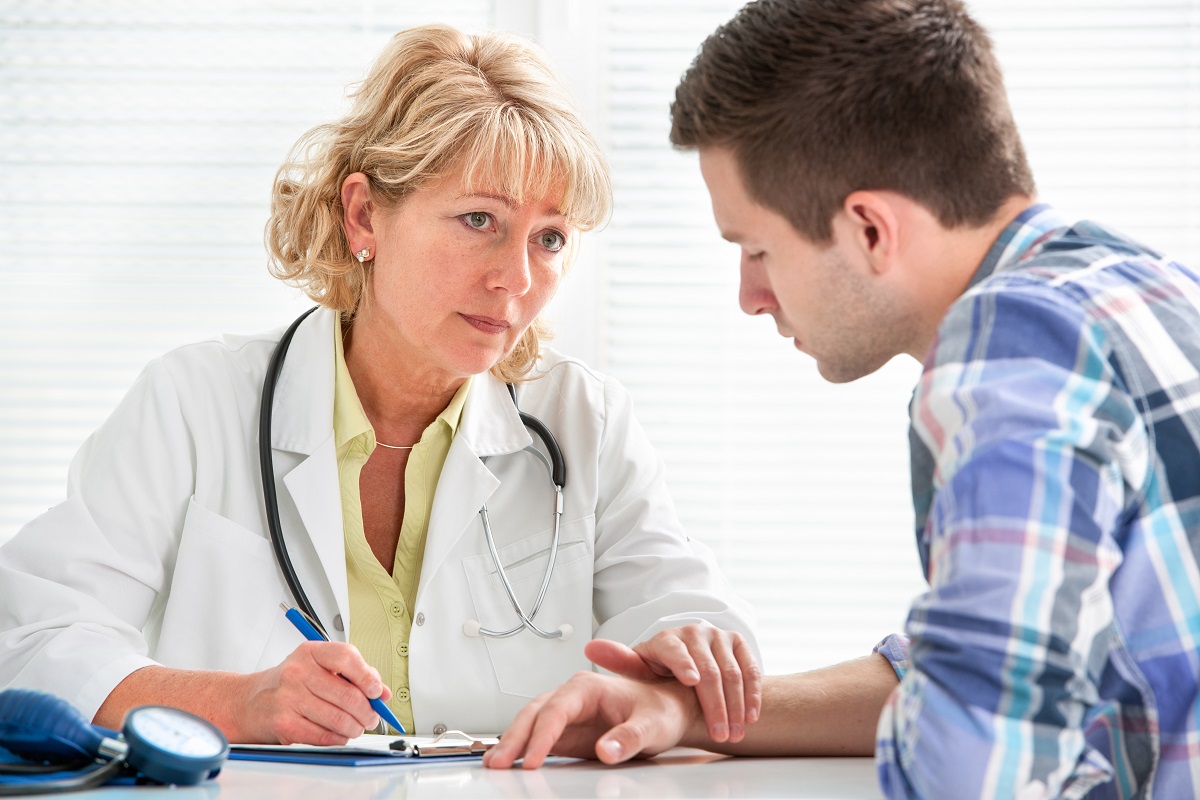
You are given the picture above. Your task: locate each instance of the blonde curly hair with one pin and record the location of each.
(436, 101)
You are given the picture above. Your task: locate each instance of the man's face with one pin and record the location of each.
(823, 297)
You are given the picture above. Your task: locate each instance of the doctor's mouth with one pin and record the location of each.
(486, 324)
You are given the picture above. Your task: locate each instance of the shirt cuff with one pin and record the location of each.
(895, 649)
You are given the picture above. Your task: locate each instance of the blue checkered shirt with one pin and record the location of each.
(1056, 482)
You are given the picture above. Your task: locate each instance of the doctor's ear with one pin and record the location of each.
(357, 209)
(869, 222)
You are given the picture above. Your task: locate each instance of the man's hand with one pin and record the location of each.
(718, 663)
(306, 698)
(598, 716)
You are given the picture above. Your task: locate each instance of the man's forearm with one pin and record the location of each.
(827, 712)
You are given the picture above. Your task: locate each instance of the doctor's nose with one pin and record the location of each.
(511, 271)
(754, 292)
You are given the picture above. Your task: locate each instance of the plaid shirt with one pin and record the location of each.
(1056, 482)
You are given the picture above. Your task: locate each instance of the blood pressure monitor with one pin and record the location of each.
(157, 744)
(172, 746)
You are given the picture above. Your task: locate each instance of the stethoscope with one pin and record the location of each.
(555, 465)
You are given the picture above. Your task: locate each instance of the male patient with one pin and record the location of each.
(863, 155)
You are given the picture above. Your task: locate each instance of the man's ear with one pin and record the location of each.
(357, 209)
(871, 222)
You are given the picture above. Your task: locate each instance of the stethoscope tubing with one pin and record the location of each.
(267, 470)
(526, 620)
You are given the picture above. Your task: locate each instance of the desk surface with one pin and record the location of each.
(678, 773)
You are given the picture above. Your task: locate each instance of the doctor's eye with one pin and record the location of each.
(477, 219)
(552, 240)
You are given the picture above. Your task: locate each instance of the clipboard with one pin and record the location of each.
(373, 749)
(449, 743)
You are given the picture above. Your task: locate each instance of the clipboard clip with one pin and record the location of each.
(449, 743)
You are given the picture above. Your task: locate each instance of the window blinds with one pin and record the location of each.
(138, 143)
(800, 486)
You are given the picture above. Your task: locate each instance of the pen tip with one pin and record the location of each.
(283, 606)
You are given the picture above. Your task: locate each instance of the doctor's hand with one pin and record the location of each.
(306, 699)
(600, 716)
(718, 663)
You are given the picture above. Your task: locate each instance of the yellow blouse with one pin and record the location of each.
(380, 604)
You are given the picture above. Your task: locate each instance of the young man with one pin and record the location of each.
(864, 157)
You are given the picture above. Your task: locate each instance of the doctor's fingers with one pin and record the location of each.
(345, 660)
(339, 706)
(330, 684)
(299, 729)
(290, 709)
(721, 659)
(752, 678)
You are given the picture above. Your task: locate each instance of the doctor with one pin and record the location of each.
(432, 224)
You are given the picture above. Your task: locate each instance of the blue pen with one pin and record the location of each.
(313, 635)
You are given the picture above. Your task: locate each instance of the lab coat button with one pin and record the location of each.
(337, 623)
(439, 729)
(420, 619)
(402, 649)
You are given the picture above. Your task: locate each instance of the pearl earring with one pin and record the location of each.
(362, 255)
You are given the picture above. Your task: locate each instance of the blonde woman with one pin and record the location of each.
(414, 506)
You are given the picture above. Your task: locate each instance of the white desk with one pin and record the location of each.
(679, 773)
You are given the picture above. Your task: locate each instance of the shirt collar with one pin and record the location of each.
(1021, 235)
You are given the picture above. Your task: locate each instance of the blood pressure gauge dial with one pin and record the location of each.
(172, 746)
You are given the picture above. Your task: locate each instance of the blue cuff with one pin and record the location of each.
(895, 649)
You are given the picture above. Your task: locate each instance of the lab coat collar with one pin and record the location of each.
(491, 424)
(303, 423)
(303, 406)
(302, 411)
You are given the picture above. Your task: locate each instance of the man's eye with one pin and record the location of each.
(552, 240)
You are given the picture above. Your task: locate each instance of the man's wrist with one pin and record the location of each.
(695, 731)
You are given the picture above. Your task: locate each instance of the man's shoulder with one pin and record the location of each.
(1083, 259)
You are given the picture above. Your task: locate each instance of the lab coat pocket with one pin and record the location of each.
(224, 596)
(526, 664)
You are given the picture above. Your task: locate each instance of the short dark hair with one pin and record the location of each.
(819, 98)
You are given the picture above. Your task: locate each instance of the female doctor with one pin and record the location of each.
(419, 515)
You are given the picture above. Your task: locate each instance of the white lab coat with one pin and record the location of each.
(160, 553)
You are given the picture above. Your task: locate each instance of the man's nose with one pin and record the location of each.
(754, 293)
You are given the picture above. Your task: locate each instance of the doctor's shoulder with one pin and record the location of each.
(219, 377)
(564, 383)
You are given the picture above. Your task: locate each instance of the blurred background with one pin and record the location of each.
(139, 139)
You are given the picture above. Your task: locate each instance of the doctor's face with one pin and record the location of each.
(821, 296)
(460, 274)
